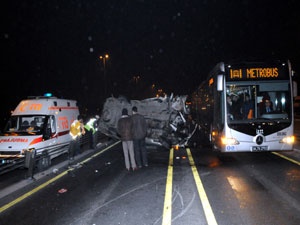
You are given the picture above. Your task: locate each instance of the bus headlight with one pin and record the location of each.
(288, 140)
(229, 141)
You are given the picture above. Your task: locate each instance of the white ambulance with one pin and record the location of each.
(41, 124)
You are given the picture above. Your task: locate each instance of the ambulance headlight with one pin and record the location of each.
(229, 141)
(288, 140)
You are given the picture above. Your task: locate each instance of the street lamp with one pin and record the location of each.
(136, 79)
(103, 59)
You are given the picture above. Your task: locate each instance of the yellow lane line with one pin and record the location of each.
(24, 196)
(167, 213)
(287, 158)
(210, 218)
(3, 208)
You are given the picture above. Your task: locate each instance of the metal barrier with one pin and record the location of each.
(9, 164)
(30, 158)
(40, 159)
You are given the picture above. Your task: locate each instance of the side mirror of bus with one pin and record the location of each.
(220, 82)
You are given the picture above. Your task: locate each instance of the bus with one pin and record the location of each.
(246, 107)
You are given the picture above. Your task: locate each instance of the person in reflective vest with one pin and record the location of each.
(92, 127)
(76, 130)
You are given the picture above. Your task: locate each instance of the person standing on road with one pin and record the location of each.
(125, 130)
(76, 130)
(92, 127)
(139, 135)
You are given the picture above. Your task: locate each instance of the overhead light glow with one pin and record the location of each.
(48, 95)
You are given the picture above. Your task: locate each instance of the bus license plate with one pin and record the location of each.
(259, 148)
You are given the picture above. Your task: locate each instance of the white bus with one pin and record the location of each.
(246, 107)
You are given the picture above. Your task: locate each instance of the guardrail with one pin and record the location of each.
(41, 158)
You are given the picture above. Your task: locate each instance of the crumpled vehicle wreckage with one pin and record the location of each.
(166, 117)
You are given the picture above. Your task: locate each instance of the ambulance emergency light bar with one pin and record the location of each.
(48, 94)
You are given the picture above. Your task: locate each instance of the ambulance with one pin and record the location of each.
(40, 125)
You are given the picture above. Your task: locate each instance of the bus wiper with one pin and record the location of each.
(276, 120)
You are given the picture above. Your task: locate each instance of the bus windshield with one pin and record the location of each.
(260, 101)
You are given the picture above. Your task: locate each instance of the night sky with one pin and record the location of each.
(54, 46)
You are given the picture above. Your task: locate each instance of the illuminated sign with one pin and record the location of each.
(257, 73)
(26, 106)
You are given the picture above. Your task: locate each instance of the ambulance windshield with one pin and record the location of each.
(25, 125)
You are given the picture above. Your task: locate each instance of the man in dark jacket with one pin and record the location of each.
(139, 135)
(125, 130)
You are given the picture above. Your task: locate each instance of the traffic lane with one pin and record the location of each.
(186, 202)
(19, 178)
(141, 199)
(271, 168)
(137, 198)
(82, 185)
(250, 188)
(101, 192)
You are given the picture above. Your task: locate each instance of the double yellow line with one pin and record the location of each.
(167, 212)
